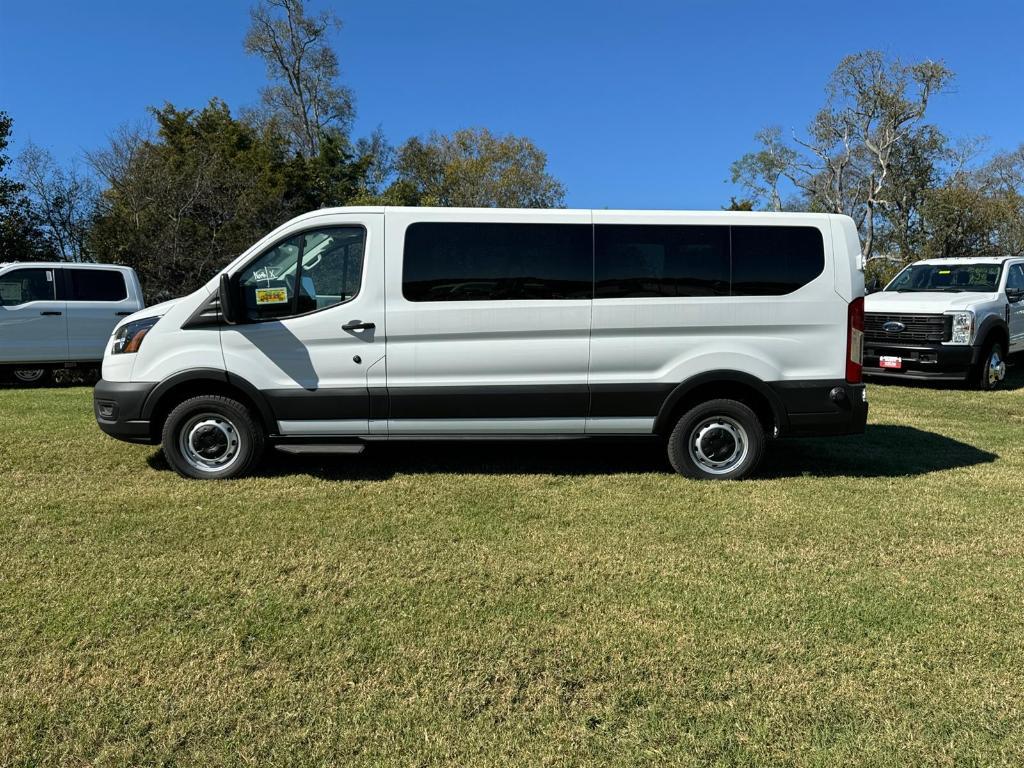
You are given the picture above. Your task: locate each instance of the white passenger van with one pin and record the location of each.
(60, 315)
(345, 326)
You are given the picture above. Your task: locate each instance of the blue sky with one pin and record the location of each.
(638, 105)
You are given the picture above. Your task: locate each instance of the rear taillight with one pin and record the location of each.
(855, 341)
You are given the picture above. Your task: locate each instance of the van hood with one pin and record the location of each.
(923, 303)
(156, 310)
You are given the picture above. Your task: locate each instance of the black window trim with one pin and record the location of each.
(236, 276)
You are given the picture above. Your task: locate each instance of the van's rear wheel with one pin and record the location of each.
(717, 440)
(31, 377)
(212, 437)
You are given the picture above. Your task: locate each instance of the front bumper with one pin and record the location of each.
(923, 362)
(118, 407)
(820, 408)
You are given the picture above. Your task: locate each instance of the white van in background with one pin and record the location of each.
(712, 331)
(60, 315)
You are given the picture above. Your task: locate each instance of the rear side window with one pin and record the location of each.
(497, 262)
(772, 261)
(655, 260)
(95, 285)
(20, 286)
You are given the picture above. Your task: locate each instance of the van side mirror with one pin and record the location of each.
(874, 285)
(228, 300)
(1013, 295)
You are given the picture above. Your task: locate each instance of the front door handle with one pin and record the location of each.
(355, 325)
(122, 314)
(51, 313)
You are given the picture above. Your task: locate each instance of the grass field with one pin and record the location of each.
(862, 603)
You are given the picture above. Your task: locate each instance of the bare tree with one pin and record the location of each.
(874, 106)
(304, 96)
(852, 152)
(759, 173)
(63, 198)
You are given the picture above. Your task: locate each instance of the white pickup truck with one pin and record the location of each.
(947, 320)
(60, 315)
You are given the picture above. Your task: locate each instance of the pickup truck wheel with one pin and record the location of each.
(31, 377)
(212, 437)
(992, 370)
(717, 440)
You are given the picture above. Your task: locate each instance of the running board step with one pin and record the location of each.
(322, 448)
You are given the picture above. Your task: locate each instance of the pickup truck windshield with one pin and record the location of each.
(951, 278)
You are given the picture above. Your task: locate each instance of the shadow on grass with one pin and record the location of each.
(883, 451)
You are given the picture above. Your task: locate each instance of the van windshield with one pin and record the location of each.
(948, 278)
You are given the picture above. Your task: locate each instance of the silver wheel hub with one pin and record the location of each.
(29, 374)
(209, 442)
(718, 444)
(996, 368)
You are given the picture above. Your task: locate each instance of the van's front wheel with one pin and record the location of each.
(212, 437)
(717, 440)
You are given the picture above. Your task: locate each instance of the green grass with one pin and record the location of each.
(861, 603)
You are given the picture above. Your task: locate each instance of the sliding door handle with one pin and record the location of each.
(355, 325)
(122, 314)
(53, 313)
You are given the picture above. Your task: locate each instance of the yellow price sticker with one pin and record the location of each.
(271, 295)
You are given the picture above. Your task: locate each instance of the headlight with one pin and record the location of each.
(963, 327)
(128, 338)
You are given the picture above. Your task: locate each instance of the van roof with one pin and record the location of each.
(485, 212)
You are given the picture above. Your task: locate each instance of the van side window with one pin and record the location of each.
(20, 286)
(96, 285)
(772, 261)
(497, 262)
(314, 270)
(655, 260)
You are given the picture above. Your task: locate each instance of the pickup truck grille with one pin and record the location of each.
(919, 328)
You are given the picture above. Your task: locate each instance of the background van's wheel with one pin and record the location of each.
(992, 368)
(717, 440)
(212, 437)
(31, 377)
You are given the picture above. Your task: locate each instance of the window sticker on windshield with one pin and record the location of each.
(271, 296)
(944, 271)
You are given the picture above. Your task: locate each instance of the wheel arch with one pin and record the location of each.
(994, 329)
(201, 381)
(723, 384)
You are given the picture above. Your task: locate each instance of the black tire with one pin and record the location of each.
(732, 434)
(212, 437)
(31, 377)
(992, 359)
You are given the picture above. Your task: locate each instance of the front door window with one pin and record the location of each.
(305, 273)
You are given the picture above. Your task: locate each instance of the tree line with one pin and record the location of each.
(869, 152)
(178, 198)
